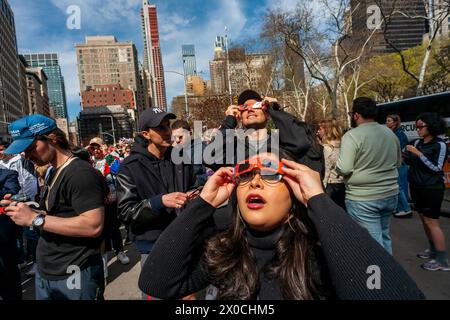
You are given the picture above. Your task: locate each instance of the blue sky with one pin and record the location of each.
(41, 27)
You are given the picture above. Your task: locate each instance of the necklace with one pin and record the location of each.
(70, 157)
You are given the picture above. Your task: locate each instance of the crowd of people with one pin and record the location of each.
(301, 213)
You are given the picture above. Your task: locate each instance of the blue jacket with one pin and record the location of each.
(9, 183)
(402, 137)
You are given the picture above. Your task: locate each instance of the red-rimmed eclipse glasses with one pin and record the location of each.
(246, 106)
(269, 170)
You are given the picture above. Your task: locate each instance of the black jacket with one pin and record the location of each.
(295, 136)
(349, 253)
(140, 190)
(427, 171)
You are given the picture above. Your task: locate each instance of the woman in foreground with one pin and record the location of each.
(276, 248)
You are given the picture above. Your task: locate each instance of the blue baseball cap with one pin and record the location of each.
(25, 130)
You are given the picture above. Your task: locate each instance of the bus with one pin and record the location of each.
(409, 109)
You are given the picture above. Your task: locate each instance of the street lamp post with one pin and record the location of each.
(112, 125)
(185, 90)
(228, 65)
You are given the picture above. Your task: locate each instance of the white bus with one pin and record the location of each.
(409, 109)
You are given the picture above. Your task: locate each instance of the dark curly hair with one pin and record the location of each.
(299, 264)
(435, 123)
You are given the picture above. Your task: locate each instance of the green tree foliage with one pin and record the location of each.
(387, 81)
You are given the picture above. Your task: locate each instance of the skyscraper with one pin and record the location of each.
(189, 64)
(152, 54)
(102, 60)
(401, 31)
(49, 62)
(38, 99)
(220, 43)
(11, 95)
(218, 68)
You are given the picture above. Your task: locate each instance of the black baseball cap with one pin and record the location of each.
(248, 95)
(151, 118)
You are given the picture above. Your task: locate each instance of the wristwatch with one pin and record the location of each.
(38, 221)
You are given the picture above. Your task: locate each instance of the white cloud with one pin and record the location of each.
(97, 18)
(291, 5)
(99, 14)
(176, 30)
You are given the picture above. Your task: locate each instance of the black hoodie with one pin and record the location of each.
(142, 181)
(427, 171)
(295, 136)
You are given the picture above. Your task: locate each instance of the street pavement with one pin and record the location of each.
(408, 239)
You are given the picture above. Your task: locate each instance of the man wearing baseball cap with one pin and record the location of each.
(71, 213)
(151, 188)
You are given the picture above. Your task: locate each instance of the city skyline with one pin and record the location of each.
(56, 87)
(41, 27)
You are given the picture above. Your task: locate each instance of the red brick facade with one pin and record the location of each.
(108, 95)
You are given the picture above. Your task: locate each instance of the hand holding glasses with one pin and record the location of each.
(256, 105)
(270, 171)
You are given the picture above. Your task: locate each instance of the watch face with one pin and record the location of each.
(39, 221)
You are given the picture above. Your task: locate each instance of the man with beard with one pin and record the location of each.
(369, 159)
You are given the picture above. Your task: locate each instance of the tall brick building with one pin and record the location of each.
(152, 54)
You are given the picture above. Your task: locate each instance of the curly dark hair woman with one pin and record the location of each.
(296, 262)
(288, 240)
(426, 159)
(435, 123)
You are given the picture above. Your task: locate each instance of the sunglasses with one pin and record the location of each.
(256, 105)
(420, 127)
(269, 170)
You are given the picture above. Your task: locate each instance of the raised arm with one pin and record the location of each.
(293, 136)
(352, 255)
(174, 275)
